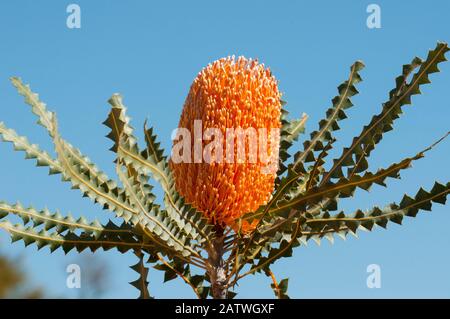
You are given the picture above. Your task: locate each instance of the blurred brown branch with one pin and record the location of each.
(14, 282)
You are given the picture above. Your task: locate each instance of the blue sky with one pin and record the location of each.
(151, 52)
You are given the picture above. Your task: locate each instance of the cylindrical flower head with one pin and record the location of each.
(229, 101)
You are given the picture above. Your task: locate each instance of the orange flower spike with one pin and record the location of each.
(230, 93)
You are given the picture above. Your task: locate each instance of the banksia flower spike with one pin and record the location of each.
(234, 200)
(230, 94)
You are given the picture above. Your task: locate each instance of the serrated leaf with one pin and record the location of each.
(32, 151)
(151, 161)
(37, 107)
(334, 114)
(409, 206)
(162, 228)
(71, 240)
(191, 221)
(344, 187)
(279, 288)
(76, 167)
(60, 224)
(141, 282)
(372, 133)
(296, 172)
(290, 131)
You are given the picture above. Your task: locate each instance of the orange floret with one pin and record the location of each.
(230, 93)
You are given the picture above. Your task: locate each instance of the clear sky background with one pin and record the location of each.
(150, 52)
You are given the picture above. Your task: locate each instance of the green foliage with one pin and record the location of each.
(305, 195)
(141, 283)
(176, 238)
(279, 288)
(151, 161)
(355, 155)
(32, 151)
(334, 114)
(290, 131)
(56, 231)
(409, 206)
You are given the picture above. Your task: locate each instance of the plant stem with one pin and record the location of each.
(216, 267)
